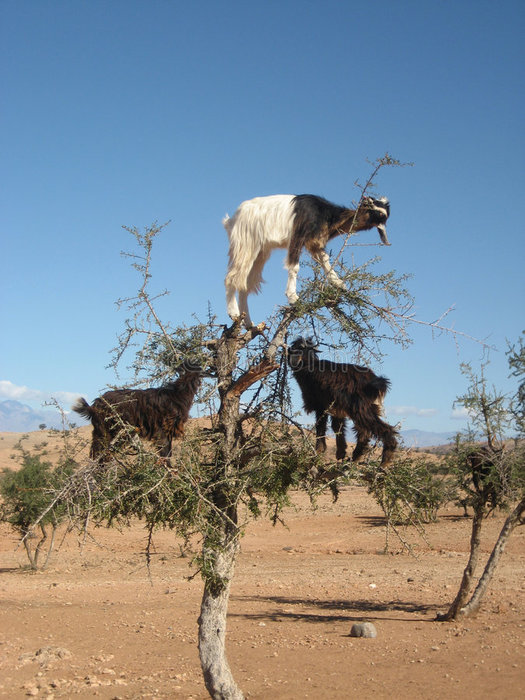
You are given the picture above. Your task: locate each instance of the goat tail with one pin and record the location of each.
(82, 407)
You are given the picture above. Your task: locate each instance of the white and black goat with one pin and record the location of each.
(157, 414)
(342, 391)
(293, 222)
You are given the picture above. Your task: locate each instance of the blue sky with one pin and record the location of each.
(119, 112)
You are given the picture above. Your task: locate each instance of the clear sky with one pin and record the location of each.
(126, 112)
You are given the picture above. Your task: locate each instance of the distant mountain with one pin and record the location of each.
(425, 438)
(16, 417)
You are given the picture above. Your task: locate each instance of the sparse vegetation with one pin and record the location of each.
(410, 493)
(29, 501)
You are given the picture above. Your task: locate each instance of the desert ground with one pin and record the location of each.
(98, 623)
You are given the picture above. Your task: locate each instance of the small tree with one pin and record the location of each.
(409, 493)
(28, 501)
(492, 475)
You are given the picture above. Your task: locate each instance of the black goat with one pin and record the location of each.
(342, 391)
(158, 415)
(483, 462)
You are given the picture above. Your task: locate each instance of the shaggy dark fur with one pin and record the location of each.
(485, 478)
(342, 391)
(158, 415)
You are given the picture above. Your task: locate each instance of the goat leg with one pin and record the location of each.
(389, 447)
(320, 432)
(363, 440)
(338, 426)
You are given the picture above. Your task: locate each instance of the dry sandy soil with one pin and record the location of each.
(97, 624)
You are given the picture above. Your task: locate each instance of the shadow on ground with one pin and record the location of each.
(344, 607)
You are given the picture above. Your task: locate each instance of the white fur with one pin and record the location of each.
(258, 227)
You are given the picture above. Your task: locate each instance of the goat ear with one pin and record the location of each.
(311, 344)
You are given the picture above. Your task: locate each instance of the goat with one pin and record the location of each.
(293, 222)
(158, 414)
(484, 463)
(342, 391)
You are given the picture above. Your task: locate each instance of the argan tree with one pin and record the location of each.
(29, 503)
(409, 492)
(244, 464)
(490, 471)
(254, 452)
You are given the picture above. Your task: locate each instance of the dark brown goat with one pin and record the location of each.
(158, 415)
(342, 391)
(484, 461)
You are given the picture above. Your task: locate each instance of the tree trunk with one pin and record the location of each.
(220, 551)
(464, 588)
(511, 522)
(34, 554)
(29, 553)
(51, 545)
(218, 678)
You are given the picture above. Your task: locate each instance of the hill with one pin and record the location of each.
(425, 438)
(19, 418)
